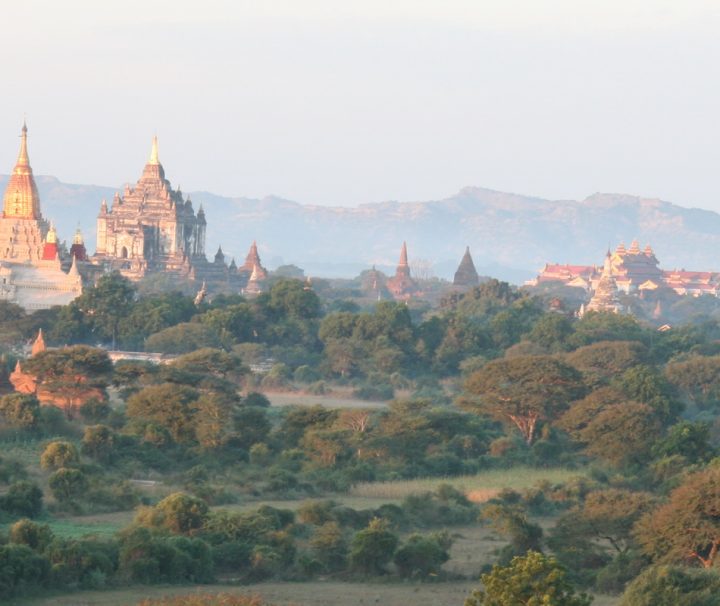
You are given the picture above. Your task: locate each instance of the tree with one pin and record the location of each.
(71, 375)
(183, 338)
(606, 515)
(605, 360)
(687, 439)
(698, 379)
(171, 406)
(645, 384)
(20, 411)
(26, 532)
(99, 442)
(512, 522)
(23, 498)
(621, 434)
(673, 586)
(67, 484)
(551, 331)
(329, 546)
(106, 305)
(524, 391)
(59, 454)
(530, 580)
(20, 568)
(422, 556)
(182, 513)
(687, 527)
(372, 548)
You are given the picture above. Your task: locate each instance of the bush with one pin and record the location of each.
(21, 569)
(422, 556)
(373, 548)
(375, 392)
(26, 532)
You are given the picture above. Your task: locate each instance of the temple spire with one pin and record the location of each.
(403, 256)
(154, 158)
(21, 198)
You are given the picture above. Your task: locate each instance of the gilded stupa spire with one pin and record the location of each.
(23, 159)
(154, 158)
(403, 256)
(21, 195)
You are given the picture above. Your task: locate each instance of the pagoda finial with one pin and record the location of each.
(154, 159)
(39, 345)
(23, 159)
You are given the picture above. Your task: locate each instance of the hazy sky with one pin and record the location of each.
(345, 102)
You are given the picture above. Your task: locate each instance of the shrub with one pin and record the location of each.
(67, 484)
(371, 549)
(26, 532)
(421, 556)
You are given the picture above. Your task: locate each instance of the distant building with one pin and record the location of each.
(605, 298)
(466, 274)
(401, 286)
(252, 274)
(31, 273)
(634, 270)
(151, 228)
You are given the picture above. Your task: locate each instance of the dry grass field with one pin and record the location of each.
(478, 487)
(316, 593)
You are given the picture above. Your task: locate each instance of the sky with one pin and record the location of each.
(348, 102)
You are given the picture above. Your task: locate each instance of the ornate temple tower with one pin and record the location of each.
(151, 227)
(31, 273)
(466, 274)
(401, 285)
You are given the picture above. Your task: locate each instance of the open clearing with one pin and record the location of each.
(478, 487)
(336, 399)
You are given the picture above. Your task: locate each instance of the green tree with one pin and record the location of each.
(26, 532)
(622, 434)
(372, 548)
(20, 569)
(421, 556)
(183, 338)
(673, 586)
(645, 384)
(59, 454)
(329, 546)
(99, 442)
(698, 379)
(687, 527)
(71, 375)
(67, 484)
(605, 360)
(524, 391)
(182, 513)
(171, 406)
(530, 580)
(20, 411)
(23, 498)
(106, 305)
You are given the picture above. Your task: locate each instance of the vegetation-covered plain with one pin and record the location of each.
(560, 456)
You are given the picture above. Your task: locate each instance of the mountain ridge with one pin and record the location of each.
(511, 236)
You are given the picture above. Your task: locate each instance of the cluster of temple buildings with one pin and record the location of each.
(149, 228)
(632, 270)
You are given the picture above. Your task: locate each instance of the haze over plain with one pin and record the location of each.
(372, 100)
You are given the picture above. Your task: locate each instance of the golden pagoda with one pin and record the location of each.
(21, 195)
(30, 266)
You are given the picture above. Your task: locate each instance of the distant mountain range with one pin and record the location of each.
(510, 236)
